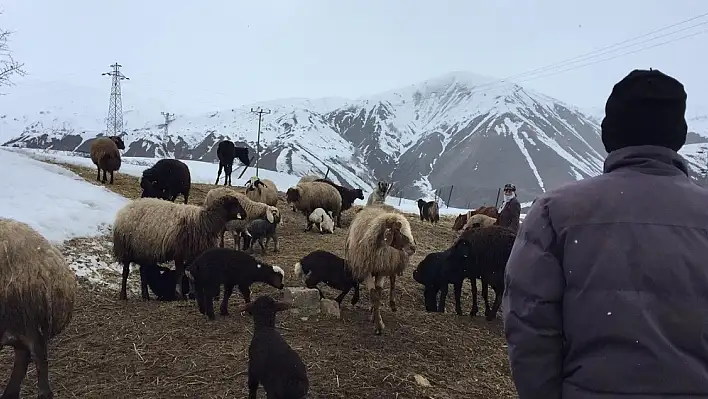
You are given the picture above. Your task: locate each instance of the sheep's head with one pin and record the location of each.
(421, 203)
(460, 222)
(230, 207)
(398, 236)
(271, 275)
(273, 214)
(151, 189)
(293, 195)
(263, 309)
(359, 193)
(119, 142)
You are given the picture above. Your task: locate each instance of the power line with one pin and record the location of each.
(475, 90)
(260, 113)
(600, 50)
(114, 121)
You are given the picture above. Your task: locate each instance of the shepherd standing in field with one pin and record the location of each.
(607, 284)
(510, 209)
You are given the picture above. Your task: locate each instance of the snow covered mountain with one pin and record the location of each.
(452, 130)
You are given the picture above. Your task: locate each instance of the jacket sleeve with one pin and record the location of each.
(533, 291)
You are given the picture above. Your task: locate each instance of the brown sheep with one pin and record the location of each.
(37, 297)
(306, 197)
(379, 244)
(461, 220)
(479, 220)
(105, 155)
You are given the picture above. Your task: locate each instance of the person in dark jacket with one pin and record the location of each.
(606, 288)
(510, 210)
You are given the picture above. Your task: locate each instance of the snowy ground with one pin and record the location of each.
(205, 172)
(70, 212)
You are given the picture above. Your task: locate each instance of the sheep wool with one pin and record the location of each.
(105, 155)
(322, 220)
(36, 299)
(254, 209)
(309, 196)
(149, 231)
(262, 190)
(479, 220)
(364, 250)
(308, 179)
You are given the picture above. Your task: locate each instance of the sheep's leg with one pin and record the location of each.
(208, 305)
(443, 297)
(124, 281)
(458, 294)
(246, 292)
(355, 298)
(498, 294)
(42, 364)
(218, 174)
(377, 293)
(199, 293)
(19, 370)
(309, 225)
(475, 306)
(430, 294)
(111, 182)
(104, 179)
(252, 384)
(143, 282)
(98, 174)
(311, 282)
(276, 243)
(179, 273)
(339, 219)
(391, 293)
(263, 247)
(221, 241)
(224, 309)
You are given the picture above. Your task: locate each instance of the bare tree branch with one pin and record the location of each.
(9, 67)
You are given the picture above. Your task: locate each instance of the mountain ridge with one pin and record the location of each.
(451, 130)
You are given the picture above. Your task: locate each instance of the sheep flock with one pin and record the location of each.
(182, 257)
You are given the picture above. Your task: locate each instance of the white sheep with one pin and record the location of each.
(262, 190)
(379, 244)
(323, 220)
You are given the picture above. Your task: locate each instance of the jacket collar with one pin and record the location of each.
(647, 159)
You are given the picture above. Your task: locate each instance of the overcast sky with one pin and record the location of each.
(198, 56)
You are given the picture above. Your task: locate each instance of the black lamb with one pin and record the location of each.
(325, 267)
(161, 281)
(226, 152)
(167, 179)
(271, 361)
(260, 230)
(483, 252)
(229, 267)
(429, 210)
(349, 195)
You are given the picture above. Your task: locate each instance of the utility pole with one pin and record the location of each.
(167, 116)
(260, 113)
(114, 122)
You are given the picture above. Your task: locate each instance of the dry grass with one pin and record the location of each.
(153, 349)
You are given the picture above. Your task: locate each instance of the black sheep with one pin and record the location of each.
(161, 281)
(429, 211)
(435, 272)
(325, 267)
(167, 179)
(483, 252)
(226, 152)
(349, 195)
(271, 361)
(229, 267)
(260, 229)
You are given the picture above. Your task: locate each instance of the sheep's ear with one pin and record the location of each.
(280, 306)
(269, 216)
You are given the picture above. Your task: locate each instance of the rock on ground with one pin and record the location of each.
(304, 300)
(330, 308)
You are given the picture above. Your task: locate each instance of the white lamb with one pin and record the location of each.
(323, 220)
